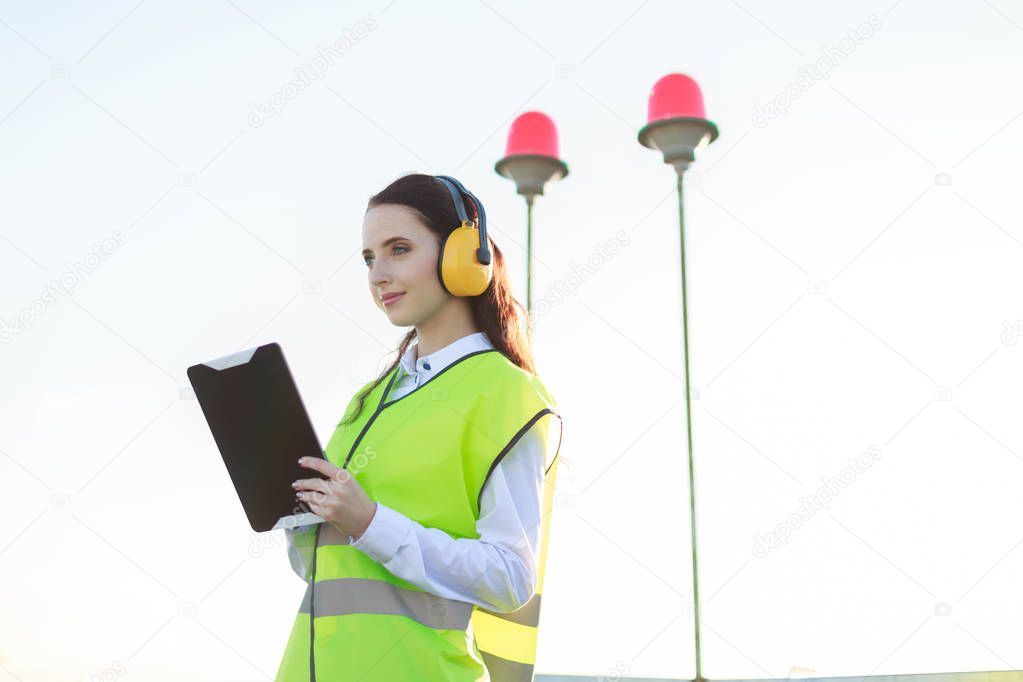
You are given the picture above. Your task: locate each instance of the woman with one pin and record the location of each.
(437, 481)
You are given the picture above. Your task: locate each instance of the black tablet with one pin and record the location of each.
(261, 427)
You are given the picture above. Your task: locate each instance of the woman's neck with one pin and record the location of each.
(449, 324)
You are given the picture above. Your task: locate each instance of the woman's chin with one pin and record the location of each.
(398, 320)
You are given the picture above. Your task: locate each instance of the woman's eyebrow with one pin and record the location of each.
(389, 241)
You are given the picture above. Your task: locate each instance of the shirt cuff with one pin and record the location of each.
(385, 534)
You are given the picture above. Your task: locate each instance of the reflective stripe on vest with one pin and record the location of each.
(527, 614)
(358, 595)
(504, 670)
(427, 455)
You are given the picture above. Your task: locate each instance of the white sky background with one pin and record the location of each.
(842, 301)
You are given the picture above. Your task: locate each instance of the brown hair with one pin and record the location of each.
(495, 312)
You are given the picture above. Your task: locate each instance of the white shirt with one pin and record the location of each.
(497, 571)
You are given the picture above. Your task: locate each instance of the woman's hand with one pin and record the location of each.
(338, 498)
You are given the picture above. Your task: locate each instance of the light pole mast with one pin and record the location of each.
(531, 160)
(678, 127)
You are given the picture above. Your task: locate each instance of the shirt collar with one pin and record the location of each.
(442, 357)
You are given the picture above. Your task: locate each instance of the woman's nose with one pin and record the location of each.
(380, 277)
(378, 274)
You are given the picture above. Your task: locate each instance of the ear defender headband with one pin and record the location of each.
(464, 265)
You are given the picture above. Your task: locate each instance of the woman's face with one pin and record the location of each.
(401, 253)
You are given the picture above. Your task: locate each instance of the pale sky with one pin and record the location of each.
(854, 257)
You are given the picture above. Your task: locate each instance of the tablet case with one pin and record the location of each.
(261, 427)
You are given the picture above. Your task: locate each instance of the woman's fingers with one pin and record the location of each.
(313, 498)
(311, 490)
(341, 476)
(321, 465)
(327, 496)
(309, 484)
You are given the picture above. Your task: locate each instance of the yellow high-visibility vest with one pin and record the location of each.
(427, 455)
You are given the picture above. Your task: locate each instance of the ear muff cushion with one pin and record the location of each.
(460, 273)
(440, 266)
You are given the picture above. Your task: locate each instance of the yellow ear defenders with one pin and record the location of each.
(464, 265)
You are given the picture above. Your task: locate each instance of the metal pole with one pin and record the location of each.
(529, 254)
(689, 425)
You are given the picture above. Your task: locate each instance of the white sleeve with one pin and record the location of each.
(497, 571)
(300, 548)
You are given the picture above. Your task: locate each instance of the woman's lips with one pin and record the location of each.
(391, 299)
